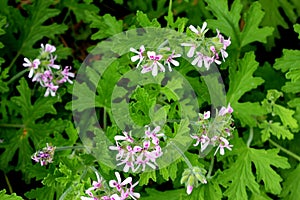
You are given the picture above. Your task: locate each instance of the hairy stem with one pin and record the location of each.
(17, 76)
(69, 147)
(8, 184)
(250, 138)
(12, 125)
(189, 164)
(14, 60)
(210, 168)
(285, 150)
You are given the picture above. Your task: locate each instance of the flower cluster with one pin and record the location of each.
(215, 131)
(206, 50)
(119, 190)
(45, 155)
(154, 62)
(46, 72)
(136, 153)
(191, 177)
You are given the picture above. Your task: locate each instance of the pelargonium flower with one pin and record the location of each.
(66, 75)
(200, 32)
(44, 70)
(215, 131)
(44, 156)
(136, 154)
(115, 190)
(191, 178)
(119, 183)
(223, 144)
(32, 65)
(48, 48)
(154, 61)
(51, 64)
(139, 55)
(170, 60)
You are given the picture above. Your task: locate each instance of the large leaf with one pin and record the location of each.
(262, 160)
(228, 22)
(29, 129)
(242, 81)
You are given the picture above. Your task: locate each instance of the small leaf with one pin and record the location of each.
(13, 196)
(145, 21)
(275, 129)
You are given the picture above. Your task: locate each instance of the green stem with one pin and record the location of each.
(69, 147)
(250, 138)
(18, 75)
(189, 164)
(285, 150)
(8, 184)
(14, 60)
(104, 118)
(210, 168)
(169, 12)
(12, 125)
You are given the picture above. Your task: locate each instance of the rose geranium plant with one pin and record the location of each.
(115, 100)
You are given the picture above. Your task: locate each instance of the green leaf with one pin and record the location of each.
(288, 61)
(29, 130)
(144, 21)
(107, 25)
(79, 9)
(297, 29)
(228, 22)
(30, 112)
(236, 185)
(274, 18)
(275, 129)
(251, 32)
(41, 193)
(262, 160)
(286, 116)
(33, 28)
(141, 107)
(170, 194)
(242, 81)
(146, 176)
(13, 196)
(291, 186)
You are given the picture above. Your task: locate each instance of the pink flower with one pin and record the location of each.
(126, 137)
(223, 144)
(139, 55)
(51, 64)
(191, 52)
(206, 115)
(51, 89)
(155, 64)
(189, 189)
(223, 111)
(66, 74)
(32, 65)
(48, 48)
(119, 184)
(170, 60)
(225, 43)
(132, 194)
(202, 31)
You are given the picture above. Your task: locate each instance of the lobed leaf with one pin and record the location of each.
(291, 186)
